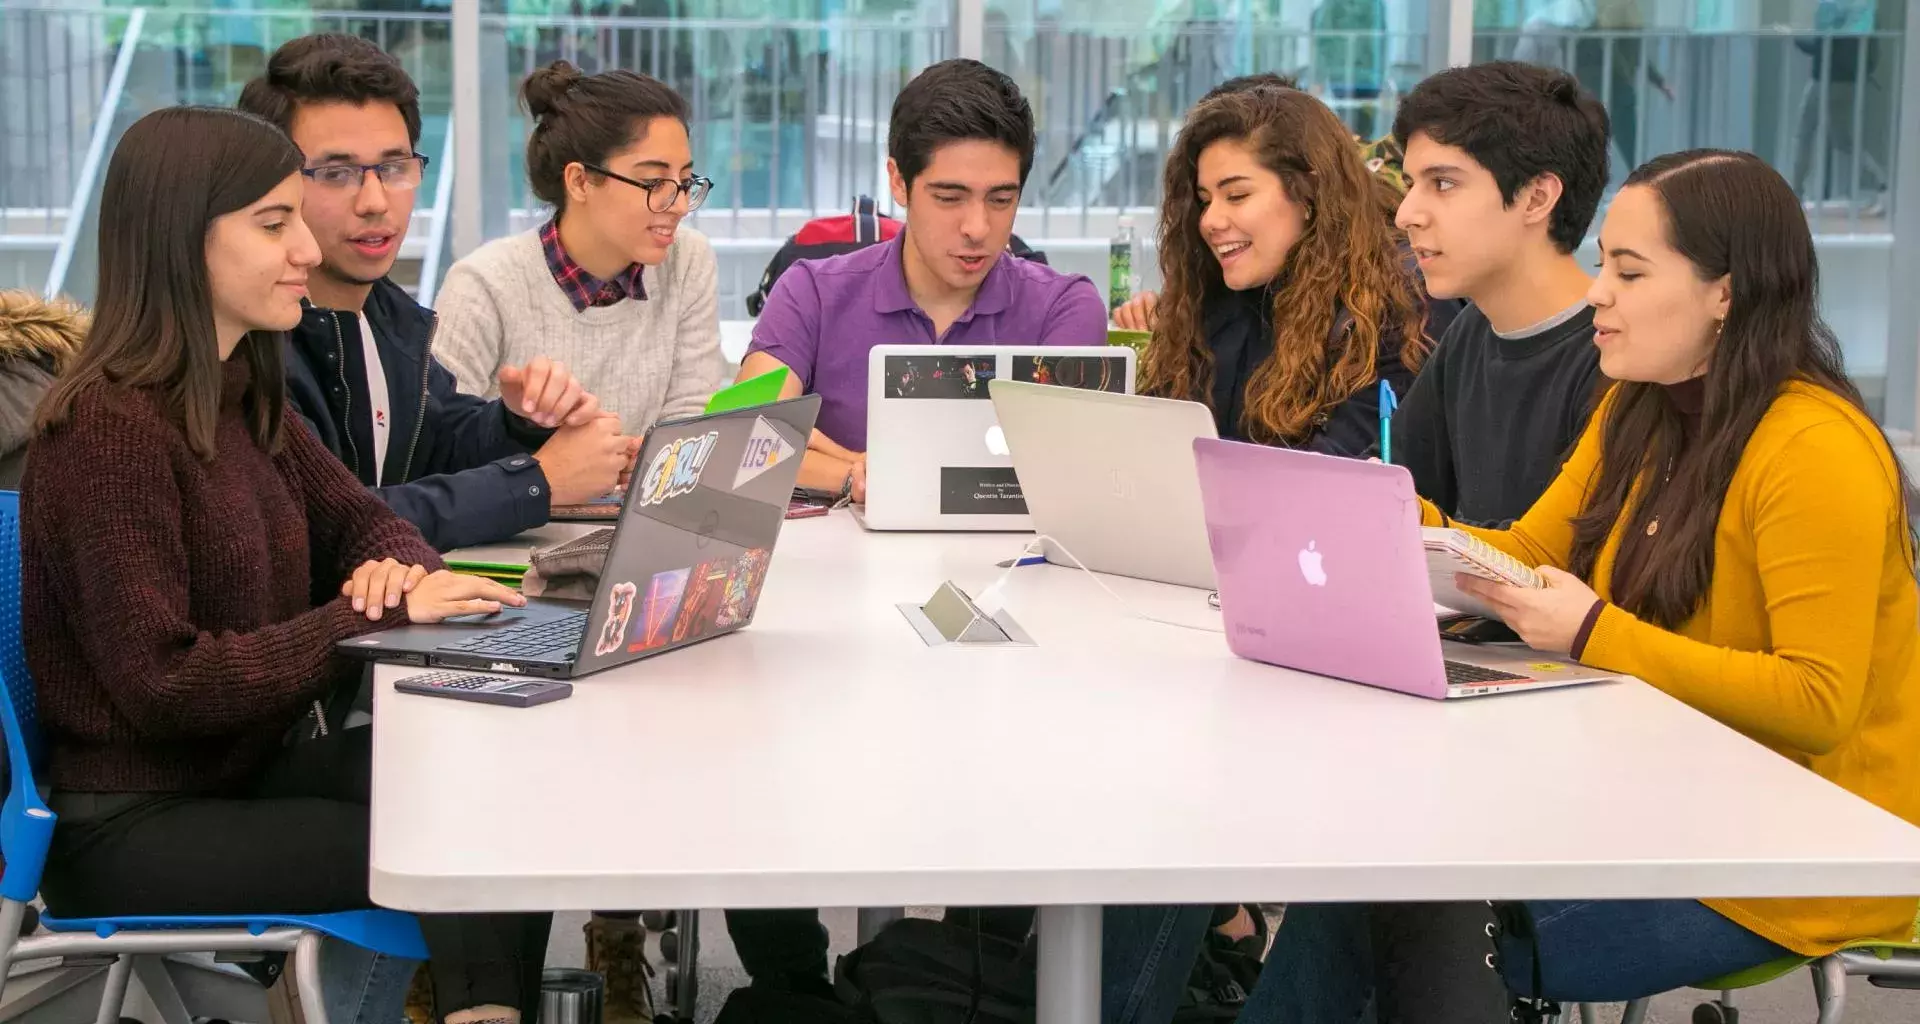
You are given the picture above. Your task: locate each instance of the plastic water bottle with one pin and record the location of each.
(1120, 265)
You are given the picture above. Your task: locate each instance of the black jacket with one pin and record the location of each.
(1239, 331)
(457, 466)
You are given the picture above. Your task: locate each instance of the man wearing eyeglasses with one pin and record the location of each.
(361, 366)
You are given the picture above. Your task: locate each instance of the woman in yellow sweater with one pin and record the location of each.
(1734, 530)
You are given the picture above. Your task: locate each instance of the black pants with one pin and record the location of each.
(1425, 963)
(293, 842)
(784, 947)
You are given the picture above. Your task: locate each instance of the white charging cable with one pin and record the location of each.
(1034, 547)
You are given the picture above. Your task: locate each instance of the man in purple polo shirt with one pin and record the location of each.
(959, 146)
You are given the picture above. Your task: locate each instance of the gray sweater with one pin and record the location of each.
(647, 360)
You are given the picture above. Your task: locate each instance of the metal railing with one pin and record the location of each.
(91, 164)
(54, 67)
(1821, 107)
(787, 117)
(57, 64)
(439, 254)
(1110, 102)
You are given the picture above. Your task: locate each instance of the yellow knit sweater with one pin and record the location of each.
(1806, 638)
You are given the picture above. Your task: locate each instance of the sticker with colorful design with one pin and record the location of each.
(676, 469)
(653, 627)
(619, 610)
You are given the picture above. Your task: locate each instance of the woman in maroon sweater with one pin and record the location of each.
(177, 520)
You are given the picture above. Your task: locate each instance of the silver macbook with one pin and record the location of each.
(936, 457)
(1111, 478)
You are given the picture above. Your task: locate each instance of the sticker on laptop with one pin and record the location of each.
(700, 610)
(658, 611)
(1547, 666)
(619, 610)
(766, 448)
(676, 469)
(742, 589)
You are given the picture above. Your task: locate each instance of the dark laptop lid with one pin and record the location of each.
(704, 508)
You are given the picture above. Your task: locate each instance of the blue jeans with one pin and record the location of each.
(360, 986)
(1618, 950)
(1146, 954)
(1343, 963)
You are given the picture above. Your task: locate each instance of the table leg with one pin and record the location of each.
(1069, 965)
(872, 919)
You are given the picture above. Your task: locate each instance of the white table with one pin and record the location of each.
(825, 757)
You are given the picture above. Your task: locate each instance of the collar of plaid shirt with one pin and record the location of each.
(582, 289)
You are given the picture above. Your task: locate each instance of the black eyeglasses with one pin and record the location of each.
(395, 175)
(663, 192)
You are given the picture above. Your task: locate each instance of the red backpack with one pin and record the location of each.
(822, 237)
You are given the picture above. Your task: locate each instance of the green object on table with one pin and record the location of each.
(761, 390)
(1136, 340)
(488, 568)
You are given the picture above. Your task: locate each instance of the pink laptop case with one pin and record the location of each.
(1320, 565)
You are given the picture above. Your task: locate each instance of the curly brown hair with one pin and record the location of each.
(1348, 256)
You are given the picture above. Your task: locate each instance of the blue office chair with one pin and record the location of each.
(135, 944)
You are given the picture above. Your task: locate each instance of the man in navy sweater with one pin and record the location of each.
(360, 366)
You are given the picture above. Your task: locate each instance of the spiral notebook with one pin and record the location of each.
(1451, 551)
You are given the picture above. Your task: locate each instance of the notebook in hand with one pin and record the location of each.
(1451, 551)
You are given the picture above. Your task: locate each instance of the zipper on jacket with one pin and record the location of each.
(346, 392)
(420, 418)
(319, 721)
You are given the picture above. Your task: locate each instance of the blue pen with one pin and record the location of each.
(1388, 402)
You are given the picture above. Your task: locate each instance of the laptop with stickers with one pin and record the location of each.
(687, 560)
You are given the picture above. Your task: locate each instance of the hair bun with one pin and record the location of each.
(545, 88)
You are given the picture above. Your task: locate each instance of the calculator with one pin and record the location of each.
(514, 693)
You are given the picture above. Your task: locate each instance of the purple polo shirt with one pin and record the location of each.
(825, 315)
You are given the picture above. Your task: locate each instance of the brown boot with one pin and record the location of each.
(420, 997)
(617, 950)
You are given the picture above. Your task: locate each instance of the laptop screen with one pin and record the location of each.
(938, 375)
(703, 510)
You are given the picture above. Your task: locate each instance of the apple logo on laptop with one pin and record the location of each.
(997, 440)
(1311, 566)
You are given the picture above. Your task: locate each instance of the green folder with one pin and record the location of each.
(761, 390)
(494, 569)
(1136, 340)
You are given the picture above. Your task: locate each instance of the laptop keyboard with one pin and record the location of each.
(527, 640)
(1462, 674)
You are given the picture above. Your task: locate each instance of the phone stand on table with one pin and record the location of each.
(951, 617)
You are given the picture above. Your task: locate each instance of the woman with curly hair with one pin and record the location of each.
(1287, 296)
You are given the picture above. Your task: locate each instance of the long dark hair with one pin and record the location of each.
(1348, 256)
(1731, 216)
(174, 172)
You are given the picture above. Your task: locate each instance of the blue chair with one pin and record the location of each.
(135, 944)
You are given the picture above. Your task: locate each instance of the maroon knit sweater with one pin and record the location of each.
(166, 600)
